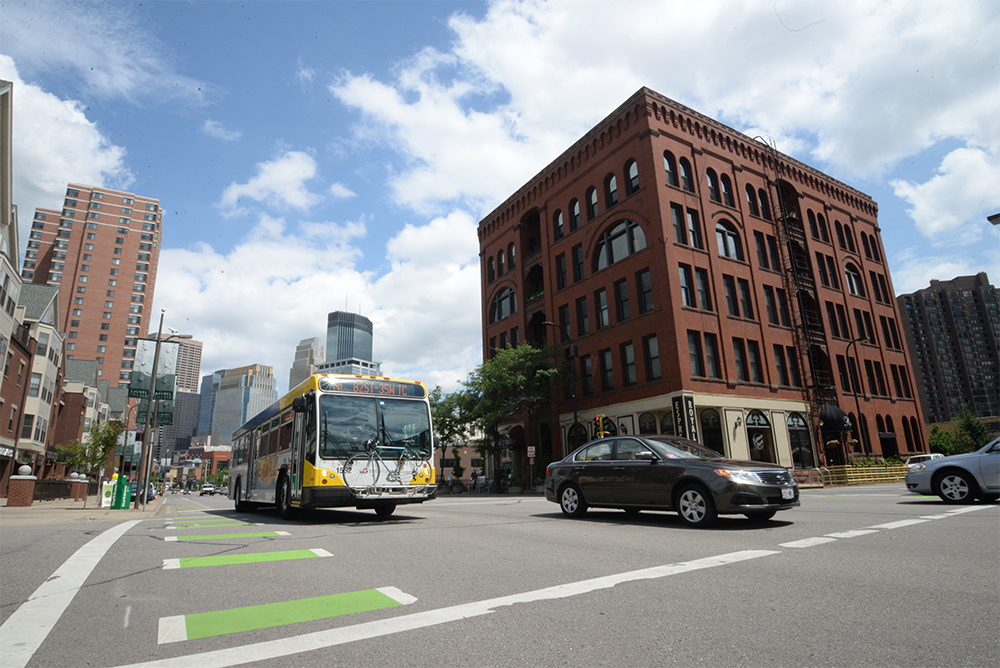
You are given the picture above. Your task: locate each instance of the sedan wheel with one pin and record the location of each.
(956, 487)
(571, 501)
(696, 507)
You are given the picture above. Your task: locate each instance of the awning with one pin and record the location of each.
(833, 418)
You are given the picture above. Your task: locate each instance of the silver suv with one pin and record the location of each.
(960, 478)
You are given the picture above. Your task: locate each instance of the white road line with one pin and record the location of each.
(172, 629)
(320, 552)
(897, 525)
(808, 542)
(170, 564)
(274, 649)
(397, 595)
(852, 533)
(970, 509)
(25, 630)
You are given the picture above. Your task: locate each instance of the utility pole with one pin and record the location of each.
(147, 432)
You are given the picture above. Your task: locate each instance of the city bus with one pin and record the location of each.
(294, 453)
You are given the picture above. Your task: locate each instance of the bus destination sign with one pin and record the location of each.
(373, 386)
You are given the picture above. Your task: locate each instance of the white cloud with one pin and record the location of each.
(954, 203)
(340, 191)
(55, 144)
(280, 182)
(215, 129)
(858, 86)
(913, 268)
(103, 43)
(254, 304)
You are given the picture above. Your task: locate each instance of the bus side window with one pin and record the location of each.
(285, 441)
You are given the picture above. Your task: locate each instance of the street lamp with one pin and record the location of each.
(572, 370)
(854, 388)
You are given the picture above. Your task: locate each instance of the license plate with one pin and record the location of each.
(787, 493)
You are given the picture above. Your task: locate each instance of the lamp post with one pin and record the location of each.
(572, 370)
(854, 389)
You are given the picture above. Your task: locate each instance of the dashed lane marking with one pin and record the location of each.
(220, 536)
(235, 559)
(251, 618)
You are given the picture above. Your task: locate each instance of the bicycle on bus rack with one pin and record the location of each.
(363, 471)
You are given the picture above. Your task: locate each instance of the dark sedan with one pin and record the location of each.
(667, 473)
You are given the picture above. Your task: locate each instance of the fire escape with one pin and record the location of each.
(800, 285)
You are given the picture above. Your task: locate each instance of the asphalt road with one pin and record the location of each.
(867, 576)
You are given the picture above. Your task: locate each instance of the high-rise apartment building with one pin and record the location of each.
(308, 356)
(243, 393)
(101, 249)
(953, 331)
(710, 286)
(349, 345)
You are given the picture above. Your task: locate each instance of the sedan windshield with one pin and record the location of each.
(678, 448)
(347, 423)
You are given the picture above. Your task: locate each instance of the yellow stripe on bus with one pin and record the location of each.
(314, 476)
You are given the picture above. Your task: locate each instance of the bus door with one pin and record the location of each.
(295, 465)
(252, 454)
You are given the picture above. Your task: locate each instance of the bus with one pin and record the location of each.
(293, 454)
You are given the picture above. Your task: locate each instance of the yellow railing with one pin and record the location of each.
(863, 475)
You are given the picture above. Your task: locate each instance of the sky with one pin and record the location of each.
(321, 156)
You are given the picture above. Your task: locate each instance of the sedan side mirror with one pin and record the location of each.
(646, 455)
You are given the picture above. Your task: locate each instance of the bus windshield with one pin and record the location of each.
(347, 422)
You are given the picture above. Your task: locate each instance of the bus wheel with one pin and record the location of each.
(241, 507)
(385, 509)
(283, 498)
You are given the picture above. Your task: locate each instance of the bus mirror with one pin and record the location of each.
(300, 404)
(437, 441)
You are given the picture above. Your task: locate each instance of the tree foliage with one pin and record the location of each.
(514, 380)
(967, 434)
(92, 454)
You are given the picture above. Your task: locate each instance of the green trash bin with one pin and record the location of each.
(123, 495)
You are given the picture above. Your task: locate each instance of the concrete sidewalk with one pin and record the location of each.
(60, 511)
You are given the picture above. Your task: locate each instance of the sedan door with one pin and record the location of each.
(635, 481)
(593, 471)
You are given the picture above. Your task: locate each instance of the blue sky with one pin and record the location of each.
(316, 156)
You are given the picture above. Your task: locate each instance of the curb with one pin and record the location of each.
(62, 511)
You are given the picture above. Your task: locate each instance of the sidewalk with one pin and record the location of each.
(61, 511)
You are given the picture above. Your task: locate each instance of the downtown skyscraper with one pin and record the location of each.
(102, 249)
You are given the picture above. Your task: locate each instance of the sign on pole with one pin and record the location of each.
(166, 369)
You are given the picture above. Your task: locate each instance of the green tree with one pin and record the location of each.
(220, 479)
(941, 441)
(515, 380)
(451, 421)
(967, 434)
(92, 454)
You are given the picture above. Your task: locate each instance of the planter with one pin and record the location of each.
(443, 489)
(516, 490)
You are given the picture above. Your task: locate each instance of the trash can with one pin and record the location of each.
(123, 495)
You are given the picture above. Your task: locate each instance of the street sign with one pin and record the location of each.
(531, 451)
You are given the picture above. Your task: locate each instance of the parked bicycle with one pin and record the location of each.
(363, 471)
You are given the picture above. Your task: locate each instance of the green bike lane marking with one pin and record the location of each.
(219, 536)
(235, 559)
(254, 617)
(220, 523)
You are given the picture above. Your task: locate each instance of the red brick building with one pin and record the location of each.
(102, 249)
(711, 286)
